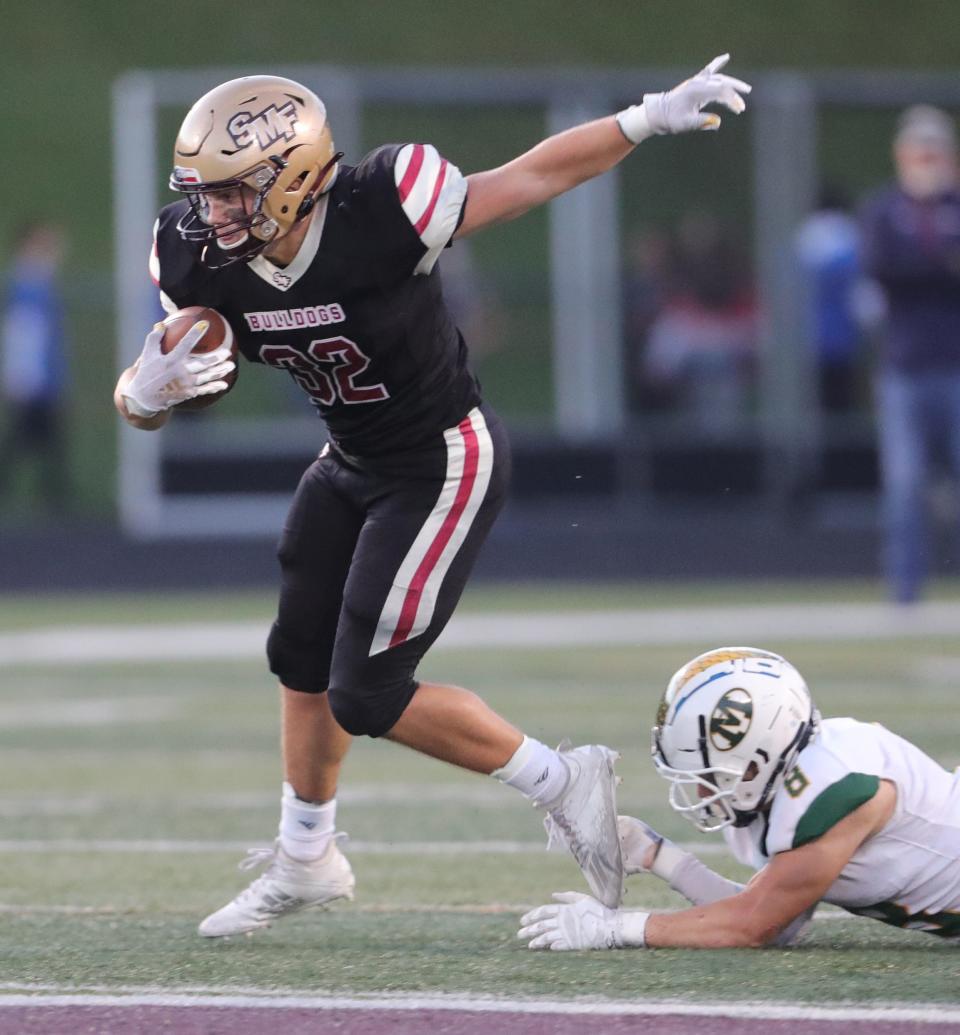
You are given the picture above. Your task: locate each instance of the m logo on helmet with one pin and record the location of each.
(731, 719)
(265, 128)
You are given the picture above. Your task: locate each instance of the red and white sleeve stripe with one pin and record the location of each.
(153, 264)
(432, 192)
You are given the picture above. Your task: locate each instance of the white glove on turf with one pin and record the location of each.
(679, 110)
(581, 922)
(164, 380)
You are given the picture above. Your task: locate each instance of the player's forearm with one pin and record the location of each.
(567, 159)
(554, 166)
(728, 924)
(646, 851)
(699, 884)
(153, 423)
(574, 156)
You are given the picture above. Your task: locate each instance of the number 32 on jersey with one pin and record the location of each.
(327, 371)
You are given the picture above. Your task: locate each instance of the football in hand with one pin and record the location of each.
(218, 333)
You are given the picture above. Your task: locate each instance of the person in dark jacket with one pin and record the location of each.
(911, 248)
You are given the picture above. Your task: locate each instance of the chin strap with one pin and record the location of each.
(800, 740)
(308, 203)
(216, 258)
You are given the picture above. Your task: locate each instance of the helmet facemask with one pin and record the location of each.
(258, 229)
(701, 796)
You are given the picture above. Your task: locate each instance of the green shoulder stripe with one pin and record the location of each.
(831, 805)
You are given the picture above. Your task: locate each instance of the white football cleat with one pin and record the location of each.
(286, 886)
(584, 819)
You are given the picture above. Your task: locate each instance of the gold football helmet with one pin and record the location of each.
(263, 132)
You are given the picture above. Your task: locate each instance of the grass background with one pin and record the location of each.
(188, 752)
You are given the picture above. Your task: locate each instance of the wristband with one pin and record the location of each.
(698, 884)
(135, 409)
(629, 928)
(634, 122)
(667, 859)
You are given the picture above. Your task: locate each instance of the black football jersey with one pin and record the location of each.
(358, 318)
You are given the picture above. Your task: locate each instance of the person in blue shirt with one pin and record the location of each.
(828, 247)
(33, 363)
(911, 248)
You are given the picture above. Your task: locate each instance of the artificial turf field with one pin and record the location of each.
(129, 791)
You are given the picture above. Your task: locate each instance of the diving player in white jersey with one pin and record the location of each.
(825, 810)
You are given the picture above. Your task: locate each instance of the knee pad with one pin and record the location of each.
(296, 665)
(369, 711)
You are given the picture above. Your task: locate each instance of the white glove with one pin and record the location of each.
(679, 110)
(581, 922)
(164, 380)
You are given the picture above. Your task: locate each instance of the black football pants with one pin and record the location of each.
(374, 560)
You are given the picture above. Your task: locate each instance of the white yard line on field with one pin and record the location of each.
(252, 998)
(415, 909)
(358, 847)
(474, 795)
(78, 645)
(43, 713)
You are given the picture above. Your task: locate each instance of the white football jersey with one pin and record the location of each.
(907, 874)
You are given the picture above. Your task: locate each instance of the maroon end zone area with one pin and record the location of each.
(137, 1019)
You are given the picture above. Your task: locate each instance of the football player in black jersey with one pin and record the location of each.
(328, 271)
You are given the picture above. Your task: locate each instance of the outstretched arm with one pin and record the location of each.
(646, 851)
(792, 883)
(785, 889)
(567, 159)
(553, 167)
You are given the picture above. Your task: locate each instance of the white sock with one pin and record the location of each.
(305, 828)
(537, 771)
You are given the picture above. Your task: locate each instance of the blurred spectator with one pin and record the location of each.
(912, 249)
(700, 347)
(645, 281)
(828, 247)
(32, 351)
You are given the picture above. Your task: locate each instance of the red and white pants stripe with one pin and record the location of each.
(410, 604)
